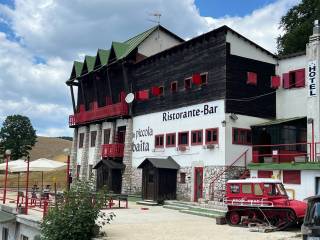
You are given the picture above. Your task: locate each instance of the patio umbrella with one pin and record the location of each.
(12, 164)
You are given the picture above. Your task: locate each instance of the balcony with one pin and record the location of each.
(114, 150)
(98, 113)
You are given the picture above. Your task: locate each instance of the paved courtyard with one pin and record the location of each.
(159, 223)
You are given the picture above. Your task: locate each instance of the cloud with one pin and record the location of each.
(58, 32)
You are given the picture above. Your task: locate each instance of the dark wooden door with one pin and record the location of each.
(150, 184)
(121, 133)
(198, 183)
(116, 180)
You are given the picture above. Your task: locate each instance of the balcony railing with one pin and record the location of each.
(97, 113)
(114, 150)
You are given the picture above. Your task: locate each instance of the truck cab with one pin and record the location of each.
(310, 228)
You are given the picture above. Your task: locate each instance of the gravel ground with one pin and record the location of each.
(159, 223)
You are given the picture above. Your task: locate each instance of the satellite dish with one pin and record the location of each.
(129, 98)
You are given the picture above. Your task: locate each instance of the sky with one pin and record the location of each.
(40, 39)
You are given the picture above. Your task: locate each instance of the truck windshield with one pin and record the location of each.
(275, 189)
(313, 214)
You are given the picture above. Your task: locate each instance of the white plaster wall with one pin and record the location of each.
(12, 230)
(93, 127)
(233, 151)
(27, 231)
(17, 229)
(291, 102)
(307, 187)
(157, 42)
(242, 48)
(80, 150)
(194, 155)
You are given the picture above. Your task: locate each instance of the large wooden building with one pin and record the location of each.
(205, 110)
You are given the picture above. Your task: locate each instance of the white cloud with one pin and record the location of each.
(61, 31)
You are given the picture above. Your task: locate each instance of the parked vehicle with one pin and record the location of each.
(262, 201)
(310, 228)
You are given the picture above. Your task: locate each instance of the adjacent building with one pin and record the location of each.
(206, 110)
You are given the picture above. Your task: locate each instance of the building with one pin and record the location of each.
(205, 110)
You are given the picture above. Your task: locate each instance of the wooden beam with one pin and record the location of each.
(125, 78)
(83, 94)
(73, 101)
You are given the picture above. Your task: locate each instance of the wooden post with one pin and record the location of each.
(72, 98)
(27, 184)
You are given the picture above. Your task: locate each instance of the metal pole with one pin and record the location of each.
(6, 179)
(27, 184)
(312, 144)
(68, 170)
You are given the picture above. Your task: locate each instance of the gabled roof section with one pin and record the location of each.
(102, 58)
(88, 64)
(76, 69)
(164, 163)
(120, 49)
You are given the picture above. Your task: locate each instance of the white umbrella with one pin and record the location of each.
(41, 165)
(13, 164)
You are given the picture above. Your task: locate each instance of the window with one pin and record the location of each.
(90, 170)
(246, 188)
(78, 170)
(196, 137)
(241, 136)
(234, 188)
(5, 233)
(161, 91)
(187, 83)
(292, 176)
(170, 140)
(257, 189)
(183, 139)
(182, 177)
(106, 136)
(275, 82)
(265, 174)
(81, 139)
(204, 78)
(294, 79)
(252, 78)
(23, 237)
(212, 136)
(174, 87)
(93, 137)
(159, 141)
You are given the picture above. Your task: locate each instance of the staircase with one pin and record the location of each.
(217, 195)
(200, 209)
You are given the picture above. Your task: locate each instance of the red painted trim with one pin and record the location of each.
(161, 90)
(217, 132)
(239, 140)
(175, 140)
(197, 143)
(195, 190)
(155, 141)
(179, 138)
(265, 174)
(206, 79)
(292, 176)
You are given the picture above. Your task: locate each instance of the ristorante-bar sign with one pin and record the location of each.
(203, 110)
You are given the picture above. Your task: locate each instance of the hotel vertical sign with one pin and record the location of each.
(312, 78)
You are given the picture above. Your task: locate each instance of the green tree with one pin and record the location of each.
(297, 25)
(18, 135)
(75, 217)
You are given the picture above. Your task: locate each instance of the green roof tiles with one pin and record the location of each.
(120, 49)
(89, 61)
(284, 166)
(103, 56)
(78, 68)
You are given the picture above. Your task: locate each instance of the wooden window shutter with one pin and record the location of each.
(292, 176)
(264, 174)
(142, 95)
(286, 80)
(300, 77)
(196, 79)
(275, 82)
(251, 78)
(155, 91)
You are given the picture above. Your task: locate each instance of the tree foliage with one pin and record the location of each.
(297, 25)
(76, 216)
(18, 135)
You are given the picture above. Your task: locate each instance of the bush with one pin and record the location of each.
(74, 217)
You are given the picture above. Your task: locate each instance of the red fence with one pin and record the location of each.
(112, 150)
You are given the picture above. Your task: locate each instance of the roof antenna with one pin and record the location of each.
(157, 17)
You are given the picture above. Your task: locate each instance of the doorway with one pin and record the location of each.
(317, 185)
(198, 183)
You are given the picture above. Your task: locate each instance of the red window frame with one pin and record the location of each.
(156, 137)
(292, 176)
(204, 78)
(275, 82)
(212, 130)
(161, 90)
(174, 86)
(171, 136)
(252, 78)
(265, 174)
(81, 140)
(187, 83)
(294, 79)
(179, 139)
(239, 140)
(198, 141)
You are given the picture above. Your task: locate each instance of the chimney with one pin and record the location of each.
(316, 32)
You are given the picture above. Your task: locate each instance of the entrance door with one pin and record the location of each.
(121, 133)
(198, 183)
(150, 184)
(317, 185)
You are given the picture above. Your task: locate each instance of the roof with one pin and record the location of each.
(109, 164)
(292, 55)
(6, 217)
(255, 180)
(284, 166)
(121, 49)
(88, 64)
(277, 121)
(164, 163)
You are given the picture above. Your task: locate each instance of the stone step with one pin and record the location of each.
(173, 207)
(201, 214)
(147, 203)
